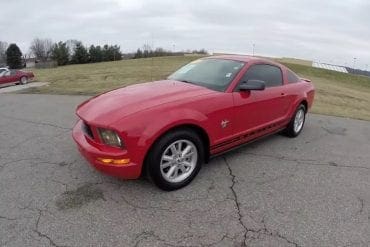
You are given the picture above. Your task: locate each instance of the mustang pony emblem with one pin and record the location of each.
(224, 123)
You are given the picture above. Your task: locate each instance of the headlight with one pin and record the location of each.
(110, 137)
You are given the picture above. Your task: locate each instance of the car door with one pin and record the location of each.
(2, 75)
(6, 77)
(14, 76)
(260, 111)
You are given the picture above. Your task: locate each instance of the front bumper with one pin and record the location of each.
(92, 152)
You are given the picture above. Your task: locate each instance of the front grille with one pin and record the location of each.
(87, 130)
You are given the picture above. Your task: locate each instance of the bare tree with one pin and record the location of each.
(41, 48)
(71, 45)
(3, 47)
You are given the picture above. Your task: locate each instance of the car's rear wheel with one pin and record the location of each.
(23, 80)
(297, 122)
(175, 159)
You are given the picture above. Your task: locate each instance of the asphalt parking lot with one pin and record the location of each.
(310, 191)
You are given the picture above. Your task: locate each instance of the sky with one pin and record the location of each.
(325, 31)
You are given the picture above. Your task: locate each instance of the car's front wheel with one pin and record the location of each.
(175, 159)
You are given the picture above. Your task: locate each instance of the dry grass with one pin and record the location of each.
(336, 93)
(294, 61)
(91, 79)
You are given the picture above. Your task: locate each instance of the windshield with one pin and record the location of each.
(215, 74)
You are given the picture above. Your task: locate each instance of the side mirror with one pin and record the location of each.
(252, 85)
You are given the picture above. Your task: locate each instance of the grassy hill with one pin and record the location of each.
(336, 93)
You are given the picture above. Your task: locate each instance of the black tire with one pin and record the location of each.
(23, 80)
(155, 154)
(290, 131)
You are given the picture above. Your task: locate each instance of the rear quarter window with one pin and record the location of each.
(292, 77)
(270, 74)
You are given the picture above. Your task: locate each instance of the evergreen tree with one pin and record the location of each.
(111, 53)
(117, 54)
(60, 53)
(80, 54)
(96, 54)
(99, 53)
(105, 53)
(138, 54)
(14, 57)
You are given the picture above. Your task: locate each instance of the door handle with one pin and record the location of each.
(282, 94)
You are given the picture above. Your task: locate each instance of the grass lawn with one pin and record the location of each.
(91, 79)
(337, 93)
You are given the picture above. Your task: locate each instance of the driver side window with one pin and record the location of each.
(2, 73)
(270, 74)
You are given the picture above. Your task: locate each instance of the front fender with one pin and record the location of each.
(141, 130)
(166, 121)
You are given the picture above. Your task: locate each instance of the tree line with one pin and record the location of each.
(147, 51)
(75, 52)
(62, 52)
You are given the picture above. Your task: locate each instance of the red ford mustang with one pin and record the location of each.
(9, 77)
(167, 129)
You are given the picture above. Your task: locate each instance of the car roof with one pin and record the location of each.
(244, 58)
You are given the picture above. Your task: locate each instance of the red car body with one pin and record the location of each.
(142, 113)
(9, 77)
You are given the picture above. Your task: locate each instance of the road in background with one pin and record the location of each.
(15, 88)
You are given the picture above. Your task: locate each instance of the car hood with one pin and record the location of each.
(112, 106)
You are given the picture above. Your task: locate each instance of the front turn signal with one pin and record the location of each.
(114, 161)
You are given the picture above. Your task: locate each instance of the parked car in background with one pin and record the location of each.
(168, 128)
(10, 77)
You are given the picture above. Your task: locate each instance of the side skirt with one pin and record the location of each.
(246, 143)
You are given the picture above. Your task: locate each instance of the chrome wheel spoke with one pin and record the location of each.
(171, 171)
(182, 169)
(167, 158)
(185, 152)
(165, 165)
(188, 155)
(173, 149)
(186, 164)
(175, 172)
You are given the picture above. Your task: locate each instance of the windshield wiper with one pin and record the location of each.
(186, 81)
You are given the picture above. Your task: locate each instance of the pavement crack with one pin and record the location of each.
(147, 235)
(266, 231)
(43, 235)
(307, 162)
(361, 206)
(135, 206)
(262, 231)
(236, 200)
(225, 236)
(34, 122)
(25, 141)
(3, 165)
(6, 218)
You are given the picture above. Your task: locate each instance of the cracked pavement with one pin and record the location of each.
(313, 190)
